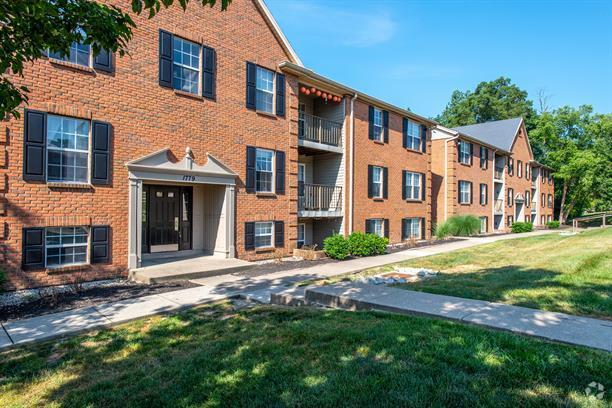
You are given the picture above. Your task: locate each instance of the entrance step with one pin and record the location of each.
(170, 269)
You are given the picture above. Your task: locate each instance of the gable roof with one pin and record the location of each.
(276, 30)
(499, 133)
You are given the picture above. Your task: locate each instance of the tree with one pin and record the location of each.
(494, 100)
(28, 28)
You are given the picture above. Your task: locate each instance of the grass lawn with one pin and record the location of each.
(273, 356)
(571, 274)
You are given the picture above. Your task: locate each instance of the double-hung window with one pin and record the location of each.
(79, 54)
(377, 182)
(65, 246)
(378, 227)
(413, 136)
(550, 201)
(519, 169)
(510, 166)
(67, 149)
(484, 157)
(413, 185)
(527, 171)
(465, 192)
(186, 66)
(543, 200)
(527, 198)
(484, 223)
(263, 234)
(412, 228)
(264, 171)
(510, 197)
(465, 152)
(264, 84)
(483, 194)
(378, 125)
(301, 235)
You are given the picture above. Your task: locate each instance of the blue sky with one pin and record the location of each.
(415, 53)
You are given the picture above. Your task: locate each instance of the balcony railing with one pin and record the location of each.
(315, 129)
(319, 197)
(498, 206)
(499, 173)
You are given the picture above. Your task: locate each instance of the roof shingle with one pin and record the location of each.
(499, 133)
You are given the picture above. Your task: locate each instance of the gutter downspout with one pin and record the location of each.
(446, 176)
(352, 161)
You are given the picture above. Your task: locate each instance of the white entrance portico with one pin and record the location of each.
(180, 207)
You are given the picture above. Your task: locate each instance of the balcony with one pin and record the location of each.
(498, 206)
(318, 200)
(319, 133)
(499, 173)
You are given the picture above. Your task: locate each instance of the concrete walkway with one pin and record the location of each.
(582, 331)
(213, 288)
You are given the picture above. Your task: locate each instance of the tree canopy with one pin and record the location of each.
(29, 28)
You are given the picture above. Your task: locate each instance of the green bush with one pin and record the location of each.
(553, 224)
(361, 244)
(336, 246)
(522, 227)
(458, 226)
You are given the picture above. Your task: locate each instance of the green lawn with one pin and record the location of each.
(273, 356)
(571, 274)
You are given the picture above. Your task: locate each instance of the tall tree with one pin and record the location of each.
(494, 100)
(28, 28)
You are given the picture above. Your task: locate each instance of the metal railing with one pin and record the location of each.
(498, 206)
(315, 129)
(499, 173)
(319, 197)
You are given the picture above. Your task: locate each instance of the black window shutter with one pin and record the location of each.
(471, 153)
(423, 226)
(386, 221)
(423, 186)
(209, 72)
(385, 182)
(486, 194)
(104, 61)
(371, 123)
(370, 177)
(404, 132)
(486, 157)
(459, 151)
(279, 234)
(280, 95)
(404, 187)
(101, 144)
(280, 172)
(251, 73)
(33, 253)
(423, 138)
(100, 244)
(249, 235)
(368, 226)
(471, 193)
(250, 169)
(166, 41)
(34, 146)
(404, 229)
(386, 126)
(459, 192)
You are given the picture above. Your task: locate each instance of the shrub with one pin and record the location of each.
(522, 227)
(361, 244)
(553, 224)
(336, 246)
(458, 226)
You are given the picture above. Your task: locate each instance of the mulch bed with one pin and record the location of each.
(66, 301)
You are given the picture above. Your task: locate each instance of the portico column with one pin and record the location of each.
(134, 224)
(230, 219)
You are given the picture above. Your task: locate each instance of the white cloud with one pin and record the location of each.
(342, 26)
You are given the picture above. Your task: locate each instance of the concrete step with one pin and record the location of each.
(187, 269)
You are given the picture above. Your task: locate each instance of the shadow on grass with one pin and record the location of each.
(216, 356)
(530, 287)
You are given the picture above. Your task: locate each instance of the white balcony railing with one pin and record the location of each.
(319, 197)
(315, 129)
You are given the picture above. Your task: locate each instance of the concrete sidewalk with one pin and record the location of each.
(577, 330)
(213, 288)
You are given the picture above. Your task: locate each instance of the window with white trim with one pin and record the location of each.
(413, 228)
(263, 234)
(301, 235)
(413, 135)
(510, 220)
(550, 201)
(483, 194)
(465, 192)
(65, 246)
(519, 168)
(378, 125)
(377, 182)
(465, 152)
(79, 54)
(510, 197)
(264, 170)
(186, 66)
(378, 227)
(413, 185)
(67, 149)
(484, 222)
(264, 84)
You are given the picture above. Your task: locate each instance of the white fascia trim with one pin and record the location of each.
(261, 5)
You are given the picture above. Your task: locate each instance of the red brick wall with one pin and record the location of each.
(147, 117)
(396, 158)
(520, 151)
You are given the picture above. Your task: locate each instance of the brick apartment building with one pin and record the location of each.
(211, 138)
(488, 170)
